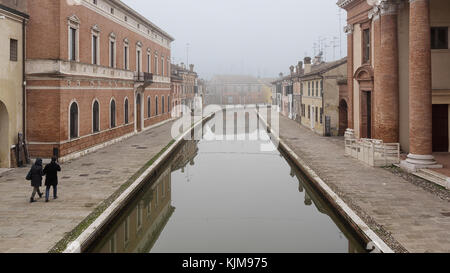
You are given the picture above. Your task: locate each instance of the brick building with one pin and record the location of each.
(13, 20)
(313, 93)
(235, 90)
(184, 85)
(398, 77)
(96, 72)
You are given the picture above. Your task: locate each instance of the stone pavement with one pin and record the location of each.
(415, 218)
(83, 184)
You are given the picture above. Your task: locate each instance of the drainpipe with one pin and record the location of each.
(23, 79)
(322, 93)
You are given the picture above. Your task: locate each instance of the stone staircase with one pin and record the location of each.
(434, 177)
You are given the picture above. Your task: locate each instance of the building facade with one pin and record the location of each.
(398, 84)
(96, 72)
(13, 20)
(321, 97)
(184, 85)
(236, 90)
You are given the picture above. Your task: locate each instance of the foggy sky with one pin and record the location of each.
(257, 37)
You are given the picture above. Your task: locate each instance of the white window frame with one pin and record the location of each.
(115, 113)
(73, 22)
(139, 57)
(126, 54)
(112, 38)
(95, 32)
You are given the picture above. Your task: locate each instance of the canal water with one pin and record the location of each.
(227, 196)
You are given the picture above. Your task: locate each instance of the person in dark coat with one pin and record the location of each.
(35, 175)
(51, 179)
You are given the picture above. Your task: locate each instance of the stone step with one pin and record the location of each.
(433, 177)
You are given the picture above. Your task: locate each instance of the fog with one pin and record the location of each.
(255, 37)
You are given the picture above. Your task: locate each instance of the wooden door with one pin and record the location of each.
(440, 128)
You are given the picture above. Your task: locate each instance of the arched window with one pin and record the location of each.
(73, 120)
(126, 110)
(162, 105)
(113, 113)
(149, 107)
(156, 105)
(95, 117)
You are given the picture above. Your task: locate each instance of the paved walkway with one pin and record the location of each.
(416, 219)
(84, 184)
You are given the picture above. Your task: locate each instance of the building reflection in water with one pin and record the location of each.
(312, 197)
(139, 226)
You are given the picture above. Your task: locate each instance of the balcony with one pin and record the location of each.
(143, 77)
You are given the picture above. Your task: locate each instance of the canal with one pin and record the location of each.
(227, 196)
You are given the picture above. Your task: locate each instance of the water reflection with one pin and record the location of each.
(229, 197)
(138, 228)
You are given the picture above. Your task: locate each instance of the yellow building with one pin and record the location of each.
(320, 96)
(12, 26)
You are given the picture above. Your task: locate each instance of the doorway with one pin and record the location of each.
(366, 114)
(138, 113)
(4, 137)
(343, 117)
(440, 128)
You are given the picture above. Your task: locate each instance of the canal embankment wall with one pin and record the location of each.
(371, 239)
(94, 230)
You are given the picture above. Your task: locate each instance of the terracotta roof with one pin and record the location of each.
(324, 67)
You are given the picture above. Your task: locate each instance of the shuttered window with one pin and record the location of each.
(13, 50)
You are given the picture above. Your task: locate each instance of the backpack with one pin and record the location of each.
(29, 177)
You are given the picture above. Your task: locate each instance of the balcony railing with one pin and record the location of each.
(143, 77)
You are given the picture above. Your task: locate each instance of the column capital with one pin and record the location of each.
(348, 29)
(383, 7)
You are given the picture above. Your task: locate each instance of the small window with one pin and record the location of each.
(112, 10)
(156, 106)
(125, 52)
(113, 113)
(96, 117)
(149, 107)
(13, 50)
(439, 38)
(126, 111)
(73, 44)
(74, 120)
(112, 50)
(94, 49)
(366, 45)
(162, 105)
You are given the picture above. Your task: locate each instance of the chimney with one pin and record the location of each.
(300, 68)
(191, 67)
(182, 66)
(281, 74)
(292, 69)
(307, 65)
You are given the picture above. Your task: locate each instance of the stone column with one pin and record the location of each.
(386, 75)
(349, 30)
(420, 104)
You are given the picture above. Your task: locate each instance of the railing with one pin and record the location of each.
(143, 77)
(373, 152)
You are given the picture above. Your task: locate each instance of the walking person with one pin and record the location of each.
(51, 179)
(35, 176)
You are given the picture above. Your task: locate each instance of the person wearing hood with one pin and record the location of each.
(35, 175)
(51, 178)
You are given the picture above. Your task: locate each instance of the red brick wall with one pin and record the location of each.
(48, 100)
